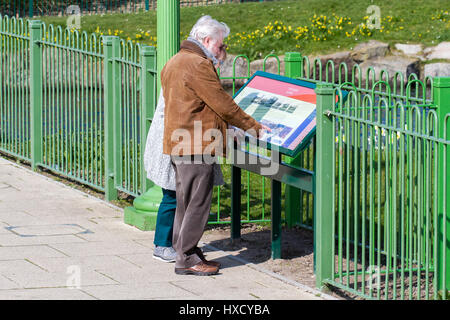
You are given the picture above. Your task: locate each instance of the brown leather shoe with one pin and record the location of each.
(212, 263)
(202, 256)
(200, 269)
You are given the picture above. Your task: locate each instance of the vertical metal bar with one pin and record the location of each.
(404, 167)
(419, 162)
(126, 117)
(364, 197)
(387, 193)
(2, 89)
(356, 183)
(134, 124)
(50, 88)
(276, 215)
(97, 70)
(379, 155)
(64, 89)
(8, 83)
(247, 174)
(441, 94)
(340, 195)
(148, 77)
(435, 215)
(428, 174)
(78, 109)
(90, 110)
(235, 203)
(36, 93)
(394, 201)
(117, 96)
(21, 84)
(110, 47)
(83, 109)
(60, 104)
(293, 65)
(347, 192)
(15, 83)
(73, 120)
(324, 184)
(168, 32)
(333, 200)
(410, 206)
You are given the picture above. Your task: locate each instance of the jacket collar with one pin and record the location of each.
(191, 46)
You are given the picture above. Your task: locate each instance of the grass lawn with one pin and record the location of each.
(308, 26)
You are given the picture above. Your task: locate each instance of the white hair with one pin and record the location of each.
(209, 27)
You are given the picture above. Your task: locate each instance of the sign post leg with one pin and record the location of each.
(276, 212)
(276, 219)
(235, 203)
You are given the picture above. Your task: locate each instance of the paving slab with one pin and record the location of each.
(45, 294)
(60, 243)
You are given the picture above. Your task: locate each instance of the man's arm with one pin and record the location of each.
(206, 85)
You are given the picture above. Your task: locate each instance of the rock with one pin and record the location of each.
(369, 50)
(337, 58)
(271, 65)
(391, 64)
(441, 51)
(409, 49)
(428, 50)
(241, 69)
(437, 70)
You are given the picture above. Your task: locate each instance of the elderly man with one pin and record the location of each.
(160, 171)
(197, 104)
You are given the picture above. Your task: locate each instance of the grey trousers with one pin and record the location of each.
(194, 186)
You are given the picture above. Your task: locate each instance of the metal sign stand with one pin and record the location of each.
(285, 173)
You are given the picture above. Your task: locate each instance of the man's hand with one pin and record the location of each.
(263, 130)
(222, 55)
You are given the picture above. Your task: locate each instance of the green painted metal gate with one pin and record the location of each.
(382, 184)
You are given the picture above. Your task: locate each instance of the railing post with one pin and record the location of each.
(323, 230)
(293, 196)
(168, 32)
(148, 88)
(293, 64)
(143, 214)
(441, 95)
(112, 50)
(116, 92)
(144, 211)
(36, 92)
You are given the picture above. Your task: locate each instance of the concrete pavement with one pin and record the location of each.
(59, 243)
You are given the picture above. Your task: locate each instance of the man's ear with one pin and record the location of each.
(206, 41)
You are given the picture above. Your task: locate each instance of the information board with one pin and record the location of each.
(285, 105)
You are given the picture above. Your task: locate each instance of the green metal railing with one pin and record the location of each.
(55, 87)
(15, 112)
(381, 201)
(72, 103)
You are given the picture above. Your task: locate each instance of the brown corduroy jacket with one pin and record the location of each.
(195, 103)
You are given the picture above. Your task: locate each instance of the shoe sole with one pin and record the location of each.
(195, 273)
(162, 259)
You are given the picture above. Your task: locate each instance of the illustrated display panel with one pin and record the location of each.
(286, 106)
